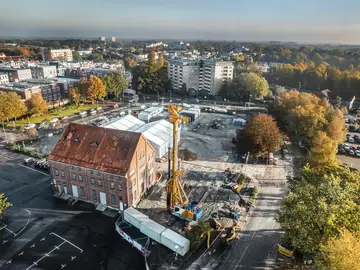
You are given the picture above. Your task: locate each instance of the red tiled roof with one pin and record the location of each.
(97, 148)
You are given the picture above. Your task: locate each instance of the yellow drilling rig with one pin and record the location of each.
(177, 200)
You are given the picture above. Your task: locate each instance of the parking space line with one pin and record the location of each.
(33, 169)
(46, 255)
(10, 231)
(3, 227)
(75, 246)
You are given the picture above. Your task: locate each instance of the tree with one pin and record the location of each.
(4, 204)
(115, 83)
(340, 253)
(37, 105)
(96, 89)
(338, 102)
(152, 58)
(76, 56)
(263, 135)
(75, 95)
(184, 88)
(32, 132)
(323, 151)
(14, 106)
(161, 59)
(321, 204)
(256, 84)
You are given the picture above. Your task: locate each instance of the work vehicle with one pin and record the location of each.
(28, 160)
(286, 250)
(177, 201)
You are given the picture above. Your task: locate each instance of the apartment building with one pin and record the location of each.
(113, 39)
(206, 75)
(102, 38)
(43, 72)
(102, 166)
(61, 54)
(16, 74)
(23, 89)
(50, 89)
(4, 78)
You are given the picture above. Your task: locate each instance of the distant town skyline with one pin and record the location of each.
(321, 21)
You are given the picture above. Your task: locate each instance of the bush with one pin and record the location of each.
(20, 149)
(241, 179)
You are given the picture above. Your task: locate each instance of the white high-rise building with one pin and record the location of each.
(113, 39)
(198, 75)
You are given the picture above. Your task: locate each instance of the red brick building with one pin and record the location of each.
(102, 166)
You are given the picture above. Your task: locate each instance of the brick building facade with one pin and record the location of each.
(102, 166)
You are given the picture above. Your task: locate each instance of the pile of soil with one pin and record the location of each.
(187, 155)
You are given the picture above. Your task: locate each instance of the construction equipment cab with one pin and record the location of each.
(189, 212)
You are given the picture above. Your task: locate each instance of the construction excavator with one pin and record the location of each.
(177, 200)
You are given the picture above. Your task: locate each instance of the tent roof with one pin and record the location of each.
(127, 122)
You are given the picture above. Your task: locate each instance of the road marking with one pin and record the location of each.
(20, 254)
(33, 169)
(10, 231)
(4, 241)
(75, 246)
(62, 266)
(46, 255)
(22, 229)
(73, 258)
(8, 262)
(3, 227)
(42, 239)
(32, 246)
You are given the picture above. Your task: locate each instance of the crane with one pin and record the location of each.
(177, 200)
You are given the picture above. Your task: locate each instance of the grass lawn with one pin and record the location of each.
(54, 113)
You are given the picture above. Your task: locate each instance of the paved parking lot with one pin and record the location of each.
(351, 161)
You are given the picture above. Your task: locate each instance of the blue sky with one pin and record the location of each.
(260, 20)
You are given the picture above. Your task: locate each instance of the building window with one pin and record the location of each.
(99, 182)
(142, 154)
(92, 180)
(119, 187)
(113, 199)
(56, 171)
(134, 195)
(80, 178)
(94, 195)
(74, 176)
(91, 172)
(62, 174)
(82, 192)
(142, 175)
(112, 185)
(98, 173)
(134, 180)
(132, 172)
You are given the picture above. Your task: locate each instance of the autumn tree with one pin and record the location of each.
(152, 58)
(96, 89)
(262, 135)
(75, 95)
(14, 107)
(161, 59)
(37, 105)
(76, 56)
(256, 84)
(340, 252)
(320, 205)
(323, 151)
(4, 204)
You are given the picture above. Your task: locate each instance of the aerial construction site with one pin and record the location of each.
(203, 195)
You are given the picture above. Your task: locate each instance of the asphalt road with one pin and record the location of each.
(257, 246)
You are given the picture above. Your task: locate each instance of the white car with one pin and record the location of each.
(347, 146)
(83, 113)
(351, 152)
(28, 126)
(350, 139)
(53, 121)
(357, 153)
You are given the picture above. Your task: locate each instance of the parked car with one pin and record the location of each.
(351, 152)
(350, 139)
(347, 146)
(357, 153)
(28, 126)
(28, 160)
(83, 113)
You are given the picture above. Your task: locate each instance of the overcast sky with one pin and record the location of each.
(336, 21)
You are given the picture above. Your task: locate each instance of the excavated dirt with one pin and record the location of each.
(187, 155)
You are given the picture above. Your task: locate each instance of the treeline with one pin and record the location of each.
(318, 77)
